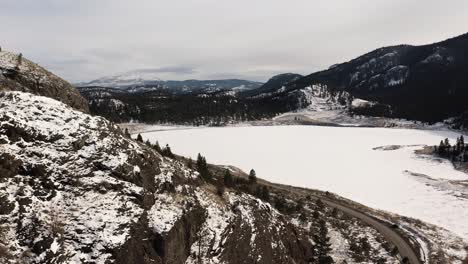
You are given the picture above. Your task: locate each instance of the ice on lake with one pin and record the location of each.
(340, 160)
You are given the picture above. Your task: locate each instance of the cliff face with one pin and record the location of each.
(19, 74)
(75, 189)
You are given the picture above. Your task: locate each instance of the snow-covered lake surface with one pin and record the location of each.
(340, 160)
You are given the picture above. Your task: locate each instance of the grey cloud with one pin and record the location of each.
(87, 39)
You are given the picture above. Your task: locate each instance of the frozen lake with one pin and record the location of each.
(340, 160)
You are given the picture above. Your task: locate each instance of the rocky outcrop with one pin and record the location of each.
(174, 246)
(19, 74)
(74, 189)
(267, 238)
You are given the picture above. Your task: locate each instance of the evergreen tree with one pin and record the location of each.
(139, 138)
(462, 143)
(299, 205)
(365, 246)
(316, 214)
(20, 59)
(202, 168)
(280, 203)
(265, 193)
(322, 244)
(252, 177)
(447, 143)
(190, 163)
(201, 163)
(126, 133)
(441, 148)
(228, 180)
(167, 152)
(334, 213)
(320, 205)
(220, 188)
(157, 147)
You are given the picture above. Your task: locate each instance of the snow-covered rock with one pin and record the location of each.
(19, 74)
(74, 189)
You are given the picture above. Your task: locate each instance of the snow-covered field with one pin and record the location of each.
(340, 160)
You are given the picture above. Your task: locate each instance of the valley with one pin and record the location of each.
(336, 159)
(202, 134)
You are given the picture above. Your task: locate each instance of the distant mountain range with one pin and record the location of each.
(426, 83)
(146, 81)
(132, 78)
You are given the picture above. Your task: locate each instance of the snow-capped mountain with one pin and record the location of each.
(131, 78)
(147, 80)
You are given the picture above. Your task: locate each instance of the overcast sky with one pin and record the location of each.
(212, 39)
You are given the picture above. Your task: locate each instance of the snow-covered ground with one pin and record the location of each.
(340, 160)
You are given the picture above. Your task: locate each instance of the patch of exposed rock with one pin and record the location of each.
(19, 74)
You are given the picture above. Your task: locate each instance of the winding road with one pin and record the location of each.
(405, 250)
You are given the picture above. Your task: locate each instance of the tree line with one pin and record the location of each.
(455, 152)
(213, 109)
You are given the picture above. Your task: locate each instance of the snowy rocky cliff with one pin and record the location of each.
(74, 189)
(19, 74)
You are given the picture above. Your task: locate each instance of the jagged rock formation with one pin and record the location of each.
(19, 74)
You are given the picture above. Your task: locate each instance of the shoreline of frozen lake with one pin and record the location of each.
(338, 159)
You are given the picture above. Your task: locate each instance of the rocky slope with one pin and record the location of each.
(74, 189)
(19, 74)
(275, 83)
(425, 83)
